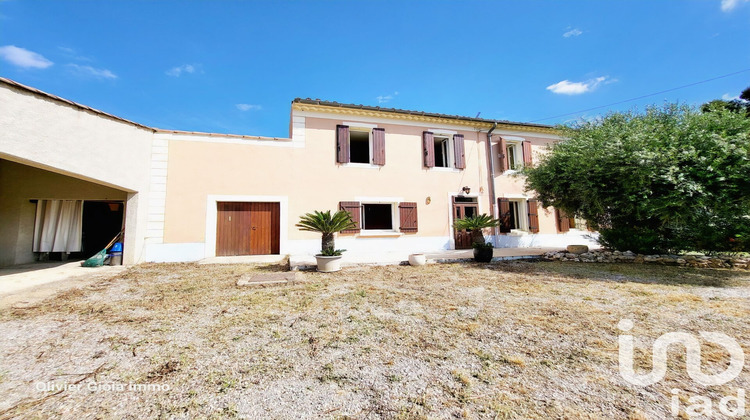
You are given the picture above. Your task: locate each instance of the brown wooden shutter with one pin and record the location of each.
(533, 216)
(563, 221)
(526, 153)
(378, 146)
(428, 148)
(342, 143)
(458, 149)
(353, 207)
(503, 204)
(408, 216)
(503, 155)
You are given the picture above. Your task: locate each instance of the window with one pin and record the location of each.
(360, 145)
(518, 214)
(381, 217)
(377, 216)
(441, 152)
(512, 155)
(513, 219)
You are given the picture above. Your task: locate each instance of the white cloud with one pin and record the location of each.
(386, 98)
(90, 71)
(177, 71)
(728, 97)
(729, 5)
(566, 87)
(572, 32)
(248, 107)
(72, 54)
(23, 58)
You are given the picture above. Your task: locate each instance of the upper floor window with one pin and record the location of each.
(442, 159)
(511, 154)
(361, 145)
(443, 151)
(514, 154)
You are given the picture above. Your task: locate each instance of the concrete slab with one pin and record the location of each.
(265, 279)
(28, 283)
(245, 259)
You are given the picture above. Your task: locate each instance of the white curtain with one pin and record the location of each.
(58, 226)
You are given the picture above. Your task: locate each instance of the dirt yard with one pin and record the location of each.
(506, 340)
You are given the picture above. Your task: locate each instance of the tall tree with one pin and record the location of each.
(668, 179)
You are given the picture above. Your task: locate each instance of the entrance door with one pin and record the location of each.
(463, 207)
(247, 228)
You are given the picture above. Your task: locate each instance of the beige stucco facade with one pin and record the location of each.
(171, 181)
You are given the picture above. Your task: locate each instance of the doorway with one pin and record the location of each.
(102, 221)
(463, 207)
(244, 228)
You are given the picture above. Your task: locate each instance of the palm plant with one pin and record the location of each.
(326, 224)
(475, 225)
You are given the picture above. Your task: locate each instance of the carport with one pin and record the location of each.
(45, 215)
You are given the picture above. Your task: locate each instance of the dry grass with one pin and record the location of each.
(510, 340)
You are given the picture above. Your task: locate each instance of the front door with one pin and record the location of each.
(247, 228)
(463, 207)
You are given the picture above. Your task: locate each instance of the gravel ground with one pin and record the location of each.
(505, 340)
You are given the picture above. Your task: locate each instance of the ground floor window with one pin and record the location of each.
(377, 216)
(515, 211)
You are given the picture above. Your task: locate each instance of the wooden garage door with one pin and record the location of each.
(247, 228)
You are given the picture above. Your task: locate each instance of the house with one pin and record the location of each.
(185, 196)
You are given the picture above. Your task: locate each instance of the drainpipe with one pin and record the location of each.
(491, 185)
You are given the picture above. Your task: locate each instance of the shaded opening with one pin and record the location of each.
(377, 216)
(441, 152)
(102, 221)
(359, 147)
(514, 214)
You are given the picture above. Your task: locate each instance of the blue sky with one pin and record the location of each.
(235, 66)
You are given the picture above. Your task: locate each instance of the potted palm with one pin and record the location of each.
(329, 259)
(475, 225)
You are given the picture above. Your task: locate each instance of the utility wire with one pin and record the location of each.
(643, 96)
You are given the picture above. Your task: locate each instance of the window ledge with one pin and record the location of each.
(518, 232)
(379, 234)
(361, 165)
(441, 169)
(510, 172)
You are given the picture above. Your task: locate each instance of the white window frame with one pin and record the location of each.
(449, 156)
(517, 163)
(448, 147)
(395, 220)
(522, 214)
(360, 127)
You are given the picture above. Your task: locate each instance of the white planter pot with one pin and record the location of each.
(417, 259)
(328, 264)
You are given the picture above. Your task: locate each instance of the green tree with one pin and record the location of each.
(735, 105)
(668, 179)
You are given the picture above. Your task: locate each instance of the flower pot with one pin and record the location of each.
(328, 264)
(417, 259)
(483, 254)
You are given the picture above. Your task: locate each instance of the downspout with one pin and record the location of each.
(491, 184)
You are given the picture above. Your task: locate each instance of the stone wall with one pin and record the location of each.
(700, 261)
